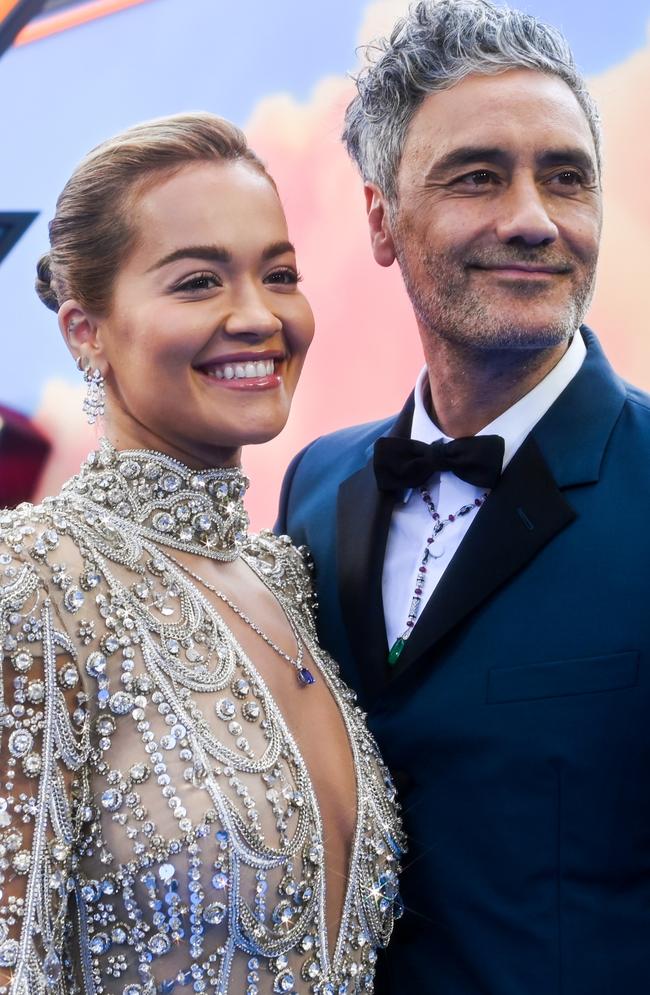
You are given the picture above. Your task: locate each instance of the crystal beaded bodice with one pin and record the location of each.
(159, 831)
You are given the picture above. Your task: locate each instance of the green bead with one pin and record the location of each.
(396, 651)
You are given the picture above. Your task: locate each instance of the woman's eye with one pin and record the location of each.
(285, 276)
(202, 281)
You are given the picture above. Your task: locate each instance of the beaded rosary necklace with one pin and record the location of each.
(439, 525)
(304, 675)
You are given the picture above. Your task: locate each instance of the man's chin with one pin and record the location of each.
(484, 335)
(524, 338)
(523, 328)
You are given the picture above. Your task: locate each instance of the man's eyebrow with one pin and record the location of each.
(570, 156)
(467, 155)
(218, 254)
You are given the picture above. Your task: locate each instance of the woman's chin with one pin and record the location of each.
(239, 436)
(254, 430)
(259, 436)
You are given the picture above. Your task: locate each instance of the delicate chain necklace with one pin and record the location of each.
(305, 676)
(439, 524)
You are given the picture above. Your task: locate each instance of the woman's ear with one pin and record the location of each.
(381, 238)
(79, 330)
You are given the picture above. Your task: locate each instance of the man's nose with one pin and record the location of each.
(251, 318)
(524, 216)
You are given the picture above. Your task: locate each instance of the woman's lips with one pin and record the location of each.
(245, 369)
(243, 374)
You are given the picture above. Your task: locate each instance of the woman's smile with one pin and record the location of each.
(245, 371)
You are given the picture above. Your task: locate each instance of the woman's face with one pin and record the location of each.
(208, 330)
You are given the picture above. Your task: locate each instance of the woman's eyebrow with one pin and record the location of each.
(277, 249)
(218, 254)
(213, 253)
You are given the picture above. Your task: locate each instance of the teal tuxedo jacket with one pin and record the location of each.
(517, 722)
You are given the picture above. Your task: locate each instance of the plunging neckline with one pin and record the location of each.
(332, 955)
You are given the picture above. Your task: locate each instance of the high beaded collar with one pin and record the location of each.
(198, 511)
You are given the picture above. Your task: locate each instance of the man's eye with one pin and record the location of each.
(569, 177)
(286, 276)
(477, 178)
(202, 281)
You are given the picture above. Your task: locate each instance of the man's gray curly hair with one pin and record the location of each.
(437, 44)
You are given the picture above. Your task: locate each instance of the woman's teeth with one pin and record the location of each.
(241, 371)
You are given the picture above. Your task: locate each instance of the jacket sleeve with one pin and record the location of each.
(43, 801)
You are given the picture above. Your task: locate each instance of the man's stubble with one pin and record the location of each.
(448, 307)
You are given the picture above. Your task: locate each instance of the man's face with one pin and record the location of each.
(498, 214)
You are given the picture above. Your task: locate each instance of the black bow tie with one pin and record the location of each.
(402, 463)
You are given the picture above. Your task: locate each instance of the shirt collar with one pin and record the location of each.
(517, 421)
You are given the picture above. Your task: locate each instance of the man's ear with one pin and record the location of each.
(79, 330)
(381, 238)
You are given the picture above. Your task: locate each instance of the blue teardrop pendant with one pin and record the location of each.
(306, 677)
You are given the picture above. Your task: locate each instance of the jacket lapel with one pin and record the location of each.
(528, 507)
(520, 516)
(363, 520)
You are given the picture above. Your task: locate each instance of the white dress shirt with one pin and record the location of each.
(411, 522)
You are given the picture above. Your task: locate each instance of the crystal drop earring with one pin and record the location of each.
(94, 401)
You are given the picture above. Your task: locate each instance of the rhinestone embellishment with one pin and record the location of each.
(194, 511)
(179, 814)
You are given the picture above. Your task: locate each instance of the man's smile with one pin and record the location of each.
(522, 271)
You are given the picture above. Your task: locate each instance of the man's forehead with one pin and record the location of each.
(516, 109)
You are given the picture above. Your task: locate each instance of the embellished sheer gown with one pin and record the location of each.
(160, 830)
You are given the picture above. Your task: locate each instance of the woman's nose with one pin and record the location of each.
(250, 316)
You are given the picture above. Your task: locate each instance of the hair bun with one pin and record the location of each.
(43, 283)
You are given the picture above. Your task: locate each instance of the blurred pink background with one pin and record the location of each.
(366, 353)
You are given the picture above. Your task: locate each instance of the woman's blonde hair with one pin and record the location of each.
(92, 230)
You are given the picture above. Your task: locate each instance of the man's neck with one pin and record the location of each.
(469, 388)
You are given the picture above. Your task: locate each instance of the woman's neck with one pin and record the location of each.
(127, 433)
